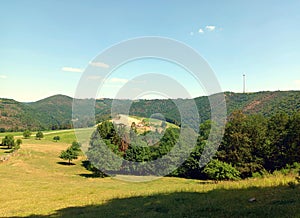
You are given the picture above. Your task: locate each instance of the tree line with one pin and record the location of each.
(252, 145)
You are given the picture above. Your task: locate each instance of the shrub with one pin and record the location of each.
(8, 141)
(56, 138)
(290, 169)
(218, 170)
(260, 174)
(26, 134)
(39, 135)
(17, 144)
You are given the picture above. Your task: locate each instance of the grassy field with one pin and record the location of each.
(36, 183)
(148, 124)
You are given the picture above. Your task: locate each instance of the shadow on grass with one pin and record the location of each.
(207, 182)
(280, 201)
(5, 148)
(95, 173)
(90, 175)
(65, 163)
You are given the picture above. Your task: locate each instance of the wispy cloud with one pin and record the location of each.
(210, 28)
(115, 82)
(3, 77)
(191, 33)
(99, 64)
(72, 69)
(109, 81)
(118, 80)
(94, 77)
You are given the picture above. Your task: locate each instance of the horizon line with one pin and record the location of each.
(109, 98)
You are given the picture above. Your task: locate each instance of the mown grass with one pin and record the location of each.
(3, 134)
(36, 183)
(67, 136)
(20, 134)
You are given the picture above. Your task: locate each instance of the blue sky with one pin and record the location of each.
(44, 45)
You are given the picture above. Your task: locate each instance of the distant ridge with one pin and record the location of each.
(55, 112)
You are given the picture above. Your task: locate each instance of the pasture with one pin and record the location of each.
(37, 183)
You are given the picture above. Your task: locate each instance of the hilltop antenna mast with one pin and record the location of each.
(244, 83)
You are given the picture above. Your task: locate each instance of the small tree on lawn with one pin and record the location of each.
(8, 141)
(56, 138)
(26, 134)
(39, 135)
(69, 154)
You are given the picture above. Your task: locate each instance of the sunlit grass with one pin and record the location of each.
(36, 182)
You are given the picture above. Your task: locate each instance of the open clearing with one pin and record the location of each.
(37, 183)
(142, 124)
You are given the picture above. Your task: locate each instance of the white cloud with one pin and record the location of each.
(200, 30)
(99, 64)
(210, 28)
(114, 82)
(94, 77)
(3, 77)
(72, 69)
(118, 80)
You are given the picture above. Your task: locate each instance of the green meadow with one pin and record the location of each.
(37, 183)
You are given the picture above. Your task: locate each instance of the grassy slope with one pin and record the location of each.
(151, 123)
(36, 183)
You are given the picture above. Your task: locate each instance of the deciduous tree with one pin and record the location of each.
(8, 141)
(56, 138)
(69, 155)
(39, 135)
(26, 134)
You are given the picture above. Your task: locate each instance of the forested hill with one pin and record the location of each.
(56, 111)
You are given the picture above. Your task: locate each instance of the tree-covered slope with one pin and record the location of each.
(266, 103)
(15, 115)
(56, 111)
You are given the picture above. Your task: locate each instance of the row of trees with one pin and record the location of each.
(11, 143)
(252, 144)
(256, 144)
(39, 135)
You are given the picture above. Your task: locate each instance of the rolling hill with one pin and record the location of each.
(55, 112)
